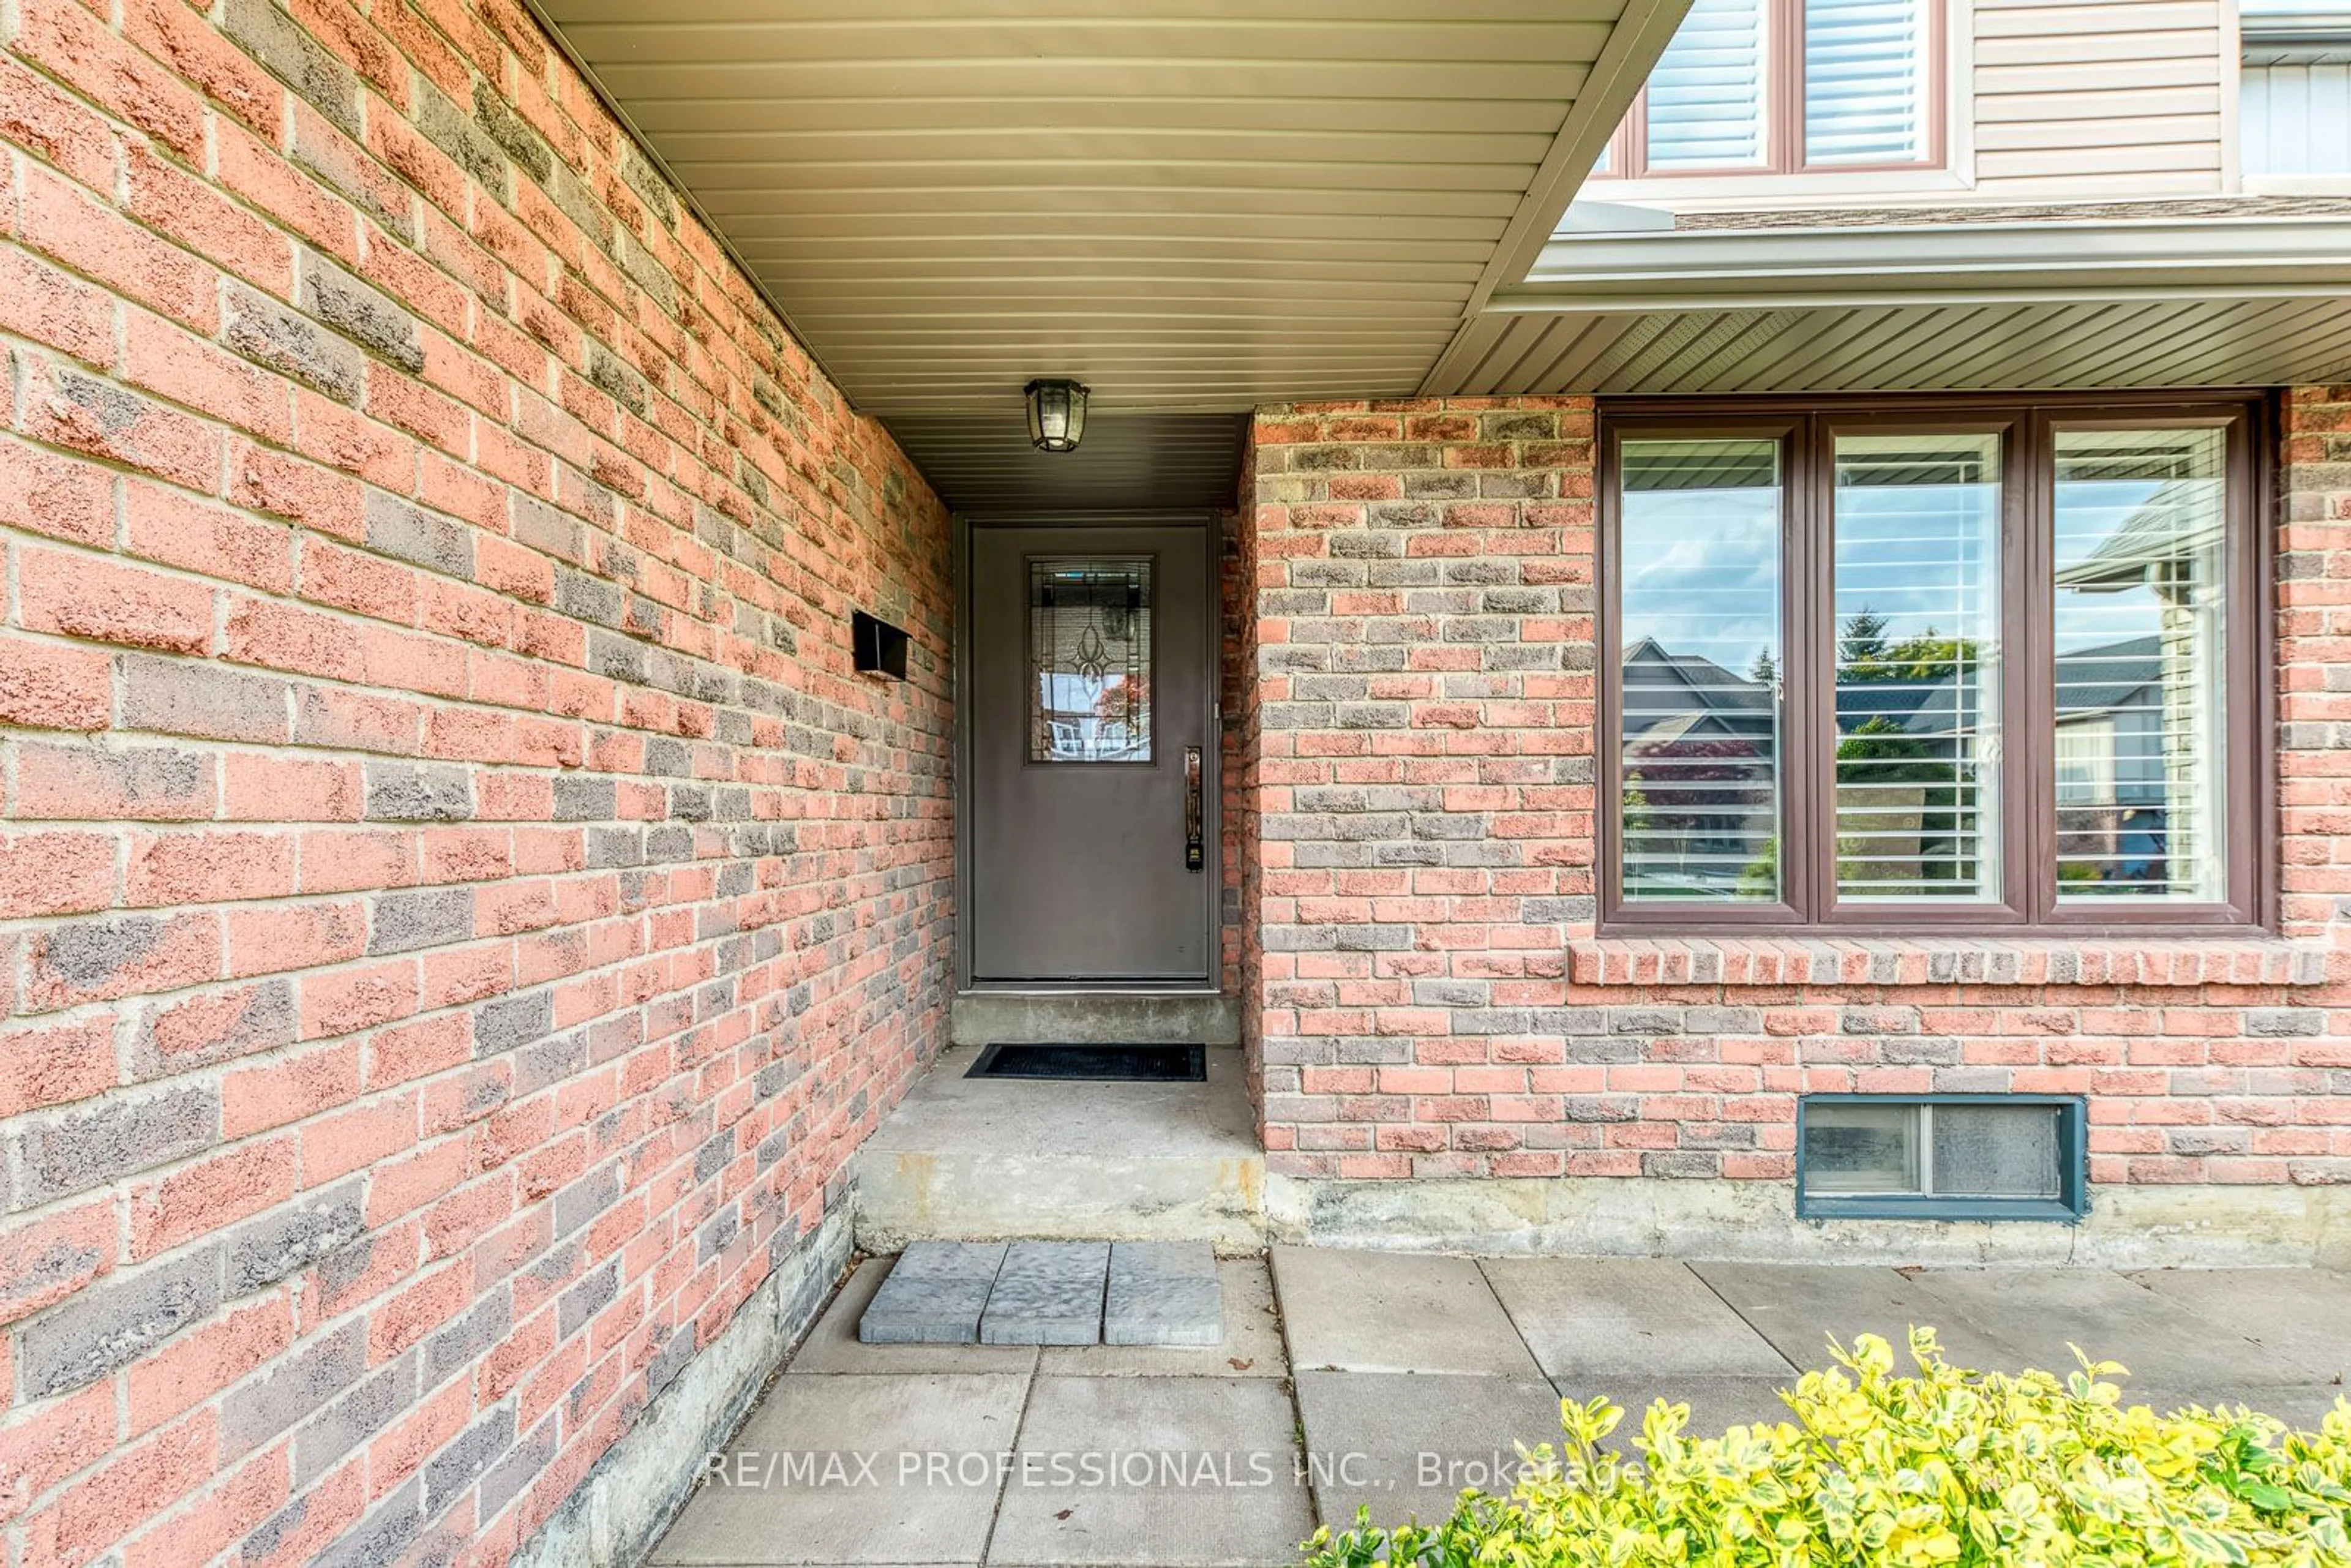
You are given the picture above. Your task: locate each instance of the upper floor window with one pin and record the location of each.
(1957, 664)
(1789, 85)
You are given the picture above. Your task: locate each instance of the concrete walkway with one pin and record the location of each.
(1394, 1380)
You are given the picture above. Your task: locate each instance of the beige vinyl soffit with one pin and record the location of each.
(1191, 204)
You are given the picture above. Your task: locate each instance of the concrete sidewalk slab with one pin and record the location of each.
(2301, 1314)
(1404, 1446)
(832, 1347)
(1415, 1376)
(826, 1459)
(1196, 1471)
(1394, 1311)
(1798, 1306)
(2036, 1315)
(1586, 1317)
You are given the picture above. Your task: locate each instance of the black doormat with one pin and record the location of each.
(1113, 1064)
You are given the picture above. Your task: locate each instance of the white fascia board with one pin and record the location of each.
(1947, 263)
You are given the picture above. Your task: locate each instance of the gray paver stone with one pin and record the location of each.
(834, 1346)
(1251, 1345)
(1048, 1292)
(935, 1294)
(1162, 1292)
(1163, 1311)
(1180, 1259)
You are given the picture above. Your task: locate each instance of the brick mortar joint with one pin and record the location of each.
(1770, 961)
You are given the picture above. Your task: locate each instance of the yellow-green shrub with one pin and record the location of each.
(1946, 1467)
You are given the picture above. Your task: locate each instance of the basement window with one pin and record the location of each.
(1944, 1156)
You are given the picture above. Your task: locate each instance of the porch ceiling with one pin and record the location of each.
(1193, 205)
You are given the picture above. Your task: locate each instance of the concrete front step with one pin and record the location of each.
(1002, 1159)
(1093, 1018)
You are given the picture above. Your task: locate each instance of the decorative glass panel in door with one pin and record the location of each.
(1090, 661)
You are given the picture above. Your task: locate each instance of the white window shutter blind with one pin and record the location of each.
(1864, 81)
(1706, 97)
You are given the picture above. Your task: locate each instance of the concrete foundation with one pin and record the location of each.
(2141, 1227)
(633, 1491)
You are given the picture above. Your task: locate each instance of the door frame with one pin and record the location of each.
(1211, 762)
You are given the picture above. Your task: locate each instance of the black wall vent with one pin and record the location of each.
(881, 647)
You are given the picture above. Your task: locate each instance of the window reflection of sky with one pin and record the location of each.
(1701, 569)
(1702, 572)
(1919, 556)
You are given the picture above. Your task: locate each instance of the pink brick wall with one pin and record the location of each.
(1430, 997)
(459, 909)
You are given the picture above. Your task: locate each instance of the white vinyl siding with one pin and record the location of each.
(2101, 98)
(1706, 96)
(2296, 119)
(1864, 81)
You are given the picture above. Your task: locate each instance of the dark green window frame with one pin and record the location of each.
(2070, 1206)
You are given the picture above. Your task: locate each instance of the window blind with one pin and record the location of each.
(1706, 97)
(1916, 592)
(1865, 87)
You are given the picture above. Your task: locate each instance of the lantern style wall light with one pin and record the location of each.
(1057, 413)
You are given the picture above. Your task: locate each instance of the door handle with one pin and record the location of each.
(1195, 858)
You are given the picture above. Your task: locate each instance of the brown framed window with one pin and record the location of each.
(1784, 87)
(1934, 664)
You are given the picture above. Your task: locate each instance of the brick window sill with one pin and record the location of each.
(1945, 960)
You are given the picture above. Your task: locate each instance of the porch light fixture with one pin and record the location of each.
(1057, 413)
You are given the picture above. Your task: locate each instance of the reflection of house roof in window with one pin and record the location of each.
(2181, 519)
(1712, 685)
(2089, 680)
(2107, 676)
(1668, 730)
(1924, 706)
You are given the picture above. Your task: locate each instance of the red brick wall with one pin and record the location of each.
(459, 908)
(1239, 754)
(1433, 1001)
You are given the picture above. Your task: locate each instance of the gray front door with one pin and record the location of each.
(1092, 754)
